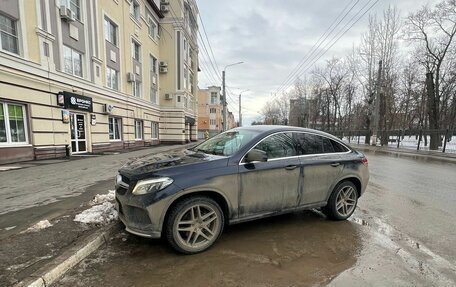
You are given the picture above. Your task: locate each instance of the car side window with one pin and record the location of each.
(338, 147)
(278, 146)
(309, 143)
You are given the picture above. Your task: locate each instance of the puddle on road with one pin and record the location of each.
(299, 249)
(419, 264)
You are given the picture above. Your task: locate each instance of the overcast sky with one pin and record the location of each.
(271, 37)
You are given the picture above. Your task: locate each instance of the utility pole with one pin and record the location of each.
(378, 98)
(224, 100)
(240, 111)
(225, 103)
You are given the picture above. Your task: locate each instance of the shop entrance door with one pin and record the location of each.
(78, 133)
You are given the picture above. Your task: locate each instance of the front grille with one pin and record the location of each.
(135, 215)
(125, 179)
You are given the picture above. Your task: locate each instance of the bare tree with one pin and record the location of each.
(435, 30)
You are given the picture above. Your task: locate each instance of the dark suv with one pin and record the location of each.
(239, 175)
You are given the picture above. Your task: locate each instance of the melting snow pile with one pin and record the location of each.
(40, 225)
(100, 198)
(102, 212)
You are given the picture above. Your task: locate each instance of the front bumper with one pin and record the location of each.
(134, 215)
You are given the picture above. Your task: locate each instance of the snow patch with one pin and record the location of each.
(101, 198)
(43, 224)
(10, 227)
(102, 211)
(98, 214)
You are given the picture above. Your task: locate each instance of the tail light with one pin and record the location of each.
(364, 161)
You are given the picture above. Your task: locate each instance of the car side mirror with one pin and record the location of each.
(256, 155)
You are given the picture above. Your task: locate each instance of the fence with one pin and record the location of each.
(408, 139)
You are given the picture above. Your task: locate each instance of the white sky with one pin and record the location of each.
(271, 37)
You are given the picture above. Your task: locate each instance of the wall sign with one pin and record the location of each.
(75, 102)
(93, 119)
(65, 116)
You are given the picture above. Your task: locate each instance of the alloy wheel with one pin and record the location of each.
(346, 201)
(197, 226)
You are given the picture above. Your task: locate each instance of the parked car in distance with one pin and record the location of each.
(240, 175)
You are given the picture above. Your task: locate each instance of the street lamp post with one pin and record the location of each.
(224, 93)
(240, 108)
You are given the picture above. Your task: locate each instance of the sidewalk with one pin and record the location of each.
(54, 191)
(401, 152)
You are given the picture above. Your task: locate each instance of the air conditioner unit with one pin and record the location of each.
(163, 69)
(168, 97)
(108, 109)
(131, 77)
(66, 14)
(164, 8)
(163, 64)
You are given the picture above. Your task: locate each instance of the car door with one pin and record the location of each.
(263, 185)
(321, 167)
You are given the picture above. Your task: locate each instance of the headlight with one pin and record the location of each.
(151, 185)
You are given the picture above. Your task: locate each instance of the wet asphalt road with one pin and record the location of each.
(402, 234)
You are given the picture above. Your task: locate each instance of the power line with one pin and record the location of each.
(317, 44)
(348, 29)
(339, 35)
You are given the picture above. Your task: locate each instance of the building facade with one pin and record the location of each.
(87, 76)
(210, 110)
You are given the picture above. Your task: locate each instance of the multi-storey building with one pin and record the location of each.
(210, 110)
(81, 76)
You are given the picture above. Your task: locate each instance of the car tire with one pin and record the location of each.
(342, 202)
(194, 224)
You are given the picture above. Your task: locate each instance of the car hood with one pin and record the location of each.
(139, 167)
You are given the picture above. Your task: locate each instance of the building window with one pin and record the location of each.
(155, 130)
(153, 64)
(214, 96)
(115, 129)
(185, 77)
(72, 61)
(112, 78)
(75, 6)
(136, 50)
(135, 10)
(13, 129)
(153, 28)
(137, 86)
(138, 130)
(192, 89)
(110, 32)
(212, 110)
(153, 80)
(8, 34)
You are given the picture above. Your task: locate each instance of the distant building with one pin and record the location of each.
(299, 112)
(209, 111)
(231, 121)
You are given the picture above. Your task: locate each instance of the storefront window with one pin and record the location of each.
(139, 130)
(155, 130)
(12, 124)
(115, 129)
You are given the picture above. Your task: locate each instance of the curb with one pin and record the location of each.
(51, 272)
(406, 154)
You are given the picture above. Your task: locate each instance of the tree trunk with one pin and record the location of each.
(432, 112)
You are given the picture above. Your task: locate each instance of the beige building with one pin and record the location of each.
(87, 76)
(210, 111)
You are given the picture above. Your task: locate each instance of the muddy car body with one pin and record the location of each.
(240, 175)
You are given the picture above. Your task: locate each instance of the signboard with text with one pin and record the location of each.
(75, 102)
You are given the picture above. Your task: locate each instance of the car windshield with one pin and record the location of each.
(227, 143)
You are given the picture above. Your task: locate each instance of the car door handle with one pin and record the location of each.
(335, 164)
(291, 167)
